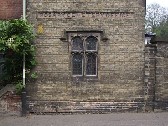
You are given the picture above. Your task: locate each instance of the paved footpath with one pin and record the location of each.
(117, 119)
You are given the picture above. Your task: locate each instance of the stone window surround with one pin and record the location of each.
(101, 38)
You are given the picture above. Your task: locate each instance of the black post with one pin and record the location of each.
(24, 105)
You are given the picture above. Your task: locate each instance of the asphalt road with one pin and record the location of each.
(117, 119)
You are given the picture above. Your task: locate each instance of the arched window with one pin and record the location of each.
(91, 43)
(84, 52)
(77, 43)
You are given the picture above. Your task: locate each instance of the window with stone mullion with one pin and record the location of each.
(84, 56)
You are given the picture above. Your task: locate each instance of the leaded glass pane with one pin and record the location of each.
(77, 64)
(77, 44)
(91, 43)
(91, 65)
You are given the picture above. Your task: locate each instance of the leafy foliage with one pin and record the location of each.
(15, 41)
(162, 30)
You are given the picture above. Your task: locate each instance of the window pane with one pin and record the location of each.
(91, 43)
(91, 66)
(77, 43)
(77, 63)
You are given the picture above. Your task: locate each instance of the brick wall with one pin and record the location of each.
(162, 75)
(156, 66)
(10, 9)
(150, 76)
(10, 103)
(121, 58)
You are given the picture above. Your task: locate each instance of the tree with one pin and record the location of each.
(155, 14)
(15, 41)
(157, 20)
(162, 29)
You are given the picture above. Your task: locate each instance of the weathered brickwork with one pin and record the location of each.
(156, 96)
(39, 107)
(10, 9)
(10, 103)
(120, 58)
(150, 75)
(161, 88)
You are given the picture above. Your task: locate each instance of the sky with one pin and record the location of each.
(163, 3)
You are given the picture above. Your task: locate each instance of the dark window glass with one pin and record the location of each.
(77, 64)
(91, 64)
(77, 44)
(91, 43)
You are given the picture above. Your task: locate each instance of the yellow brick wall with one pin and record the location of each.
(121, 58)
